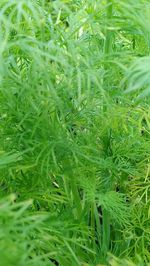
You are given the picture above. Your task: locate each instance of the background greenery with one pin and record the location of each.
(74, 132)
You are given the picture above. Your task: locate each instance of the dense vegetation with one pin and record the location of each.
(74, 132)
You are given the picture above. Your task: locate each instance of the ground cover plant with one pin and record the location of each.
(74, 132)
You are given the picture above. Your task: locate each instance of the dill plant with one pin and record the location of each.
(73, 139)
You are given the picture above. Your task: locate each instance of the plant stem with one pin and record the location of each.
(76, 197)
(93, 224)
(109, 13)
(106, 232)
(98, 226)
(105, 215)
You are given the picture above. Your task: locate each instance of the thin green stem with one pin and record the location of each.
(93, 224)
(98, 226)
(108, 41)
(76, 197)
(106, 232)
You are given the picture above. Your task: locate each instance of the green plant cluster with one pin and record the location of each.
(74, 133)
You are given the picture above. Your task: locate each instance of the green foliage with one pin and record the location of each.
(73, 138)
(20, 235)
